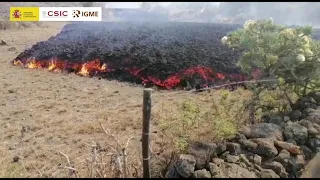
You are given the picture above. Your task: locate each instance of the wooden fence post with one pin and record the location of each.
(146, 132)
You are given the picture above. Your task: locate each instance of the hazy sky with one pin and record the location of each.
(135, 4)
(128, 4)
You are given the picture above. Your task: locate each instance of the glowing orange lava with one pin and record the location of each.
(55, 65)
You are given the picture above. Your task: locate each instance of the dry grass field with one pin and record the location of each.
(44, 115)
(64, 125)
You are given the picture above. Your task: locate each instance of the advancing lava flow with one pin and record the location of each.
(95, 68)
(167, 55)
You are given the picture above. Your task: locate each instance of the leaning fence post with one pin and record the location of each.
(146, 132)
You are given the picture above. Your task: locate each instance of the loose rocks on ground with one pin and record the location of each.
(267, 150)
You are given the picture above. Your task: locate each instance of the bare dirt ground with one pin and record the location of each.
(44, 113)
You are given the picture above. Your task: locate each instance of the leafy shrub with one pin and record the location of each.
(288, 55)
(190, 115)
(224, 114)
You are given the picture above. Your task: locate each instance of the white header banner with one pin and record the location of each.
(70, 14)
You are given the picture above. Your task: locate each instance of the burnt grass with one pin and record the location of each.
(158, 49)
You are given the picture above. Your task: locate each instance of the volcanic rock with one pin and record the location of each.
(291, 141)
(296, 132)
(248, 145)
(229, 170)
(316, 126)
(255, 158)
(314, 143)
(202, 174)
(314, 117)
(243, 165)
(315, 113)
(313, 128)
(315, 96)
(313, 132)
(237, 137)
(286, 118)
(202, 153)
(265, 147)
(293, 149)
(305, 123)
(244, 159)
(231, 158)
(277, 168)
(233, 148)
(268, 173)
(278, 120)
(263, 130)
(172, 173)
(308, 111)
(295, 115)
(305, 102)
(294, 164)
(283, 156)
(185, 165)
(214, 169)
(221, 148)
(306, 152)
(217, 161)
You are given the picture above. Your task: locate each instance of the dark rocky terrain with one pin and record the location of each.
(157, 51)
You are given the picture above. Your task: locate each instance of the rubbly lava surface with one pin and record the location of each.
(167, 54)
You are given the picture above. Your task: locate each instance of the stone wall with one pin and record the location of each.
(280, 147)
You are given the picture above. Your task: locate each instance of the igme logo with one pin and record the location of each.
(78, 13)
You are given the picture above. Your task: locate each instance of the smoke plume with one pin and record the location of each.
(293, 13)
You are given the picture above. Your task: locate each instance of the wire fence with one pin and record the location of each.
(218, 86)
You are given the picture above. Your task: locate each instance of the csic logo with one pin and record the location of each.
(55, 13)
(77, 13)
(16, 14)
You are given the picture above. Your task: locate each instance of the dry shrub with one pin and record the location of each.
(274, 101)
(6, 24)
(102, 161)
(214, 116)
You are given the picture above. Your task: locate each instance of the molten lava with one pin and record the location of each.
(55, 65)
(205, 75)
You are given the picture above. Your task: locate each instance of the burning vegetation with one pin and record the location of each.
(168, 55)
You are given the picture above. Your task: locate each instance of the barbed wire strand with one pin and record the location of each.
(215, 87)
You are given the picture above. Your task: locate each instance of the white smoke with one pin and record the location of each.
(297, 13)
